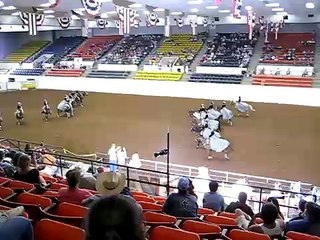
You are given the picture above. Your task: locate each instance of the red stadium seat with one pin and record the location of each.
(51, 230)
(161, 233)
(237, 234)
(301, 236)
(204, 230)
(228, 215)
(4, 208)
(57, 186)
(4, 180)
(144, 199)
(160, 200)
(18, 185)
(140, 194)
(205, 211)
(156, 219)
(147, 206)
(6, 192)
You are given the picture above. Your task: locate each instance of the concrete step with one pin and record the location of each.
(254, 61)
(196, 61)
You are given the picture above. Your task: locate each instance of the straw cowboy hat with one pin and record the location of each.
(110, 183)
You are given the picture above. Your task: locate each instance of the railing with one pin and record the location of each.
(152, 177)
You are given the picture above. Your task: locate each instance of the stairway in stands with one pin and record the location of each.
(254, 61)
(316, 81)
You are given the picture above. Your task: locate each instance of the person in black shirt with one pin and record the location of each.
(240, 204)
(26, 173)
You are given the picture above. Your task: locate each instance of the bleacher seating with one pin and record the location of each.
(108, 74)
(290, 49)
(285, 81)
(26, 51)
(93, 48)
(65, 72)
(215, 78)
(4, 71)
(165, 76)
(183, 46)
(57, 50)
(28, 72)
(132, 50)
(229, 50)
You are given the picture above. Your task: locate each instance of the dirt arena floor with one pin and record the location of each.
(279, 141)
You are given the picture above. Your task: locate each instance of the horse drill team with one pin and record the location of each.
(65, 108)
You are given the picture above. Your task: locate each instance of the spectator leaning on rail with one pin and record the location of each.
(73, 194)
(240, 204)
(109, 183)
(213, 199)
(181, 204)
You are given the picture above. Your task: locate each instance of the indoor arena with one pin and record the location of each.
(135, 120)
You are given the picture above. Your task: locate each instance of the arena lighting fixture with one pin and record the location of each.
(135, 5)
(282, 13)
(192, 16)
(48, 11)
(111, 12)
(248, 8)
(195, 2)
(272, 4)
(224, 11)
(1, 4)
(309, 5)
(146, 12)
(158, 10)
(15, 14)
(45, 4)
(277, 9)
(194, 10)
(176, 13)
(9, 8)
(50, 16)
(211, 7)
(74, 17)
(104, 15)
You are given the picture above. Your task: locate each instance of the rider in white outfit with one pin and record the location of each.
(227, 114)
(213, 124)
(243, 108)
(212, 113)
(217, 144)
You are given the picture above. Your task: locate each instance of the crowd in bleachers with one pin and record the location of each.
(100, 206)
(28, 72)
(290, 48)
(229, 50)
(133, 49)
(215, 78)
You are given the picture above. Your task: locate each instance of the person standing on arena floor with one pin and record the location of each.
(213, 199)
(112, 153)
(46, 110)
(1, 121)
(73, 194)
(19, 113)
(240, 204)
(181, 204)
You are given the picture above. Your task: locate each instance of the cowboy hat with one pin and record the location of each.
(110, 183)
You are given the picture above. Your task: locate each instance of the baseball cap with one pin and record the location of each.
(183, 183)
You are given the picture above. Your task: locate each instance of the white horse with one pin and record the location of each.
(243, 107)
(65, 107)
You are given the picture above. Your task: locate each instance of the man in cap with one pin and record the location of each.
(181, 204)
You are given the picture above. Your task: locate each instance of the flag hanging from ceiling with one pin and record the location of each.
(218, 2)
(101, 23)
(152, 19)
(236, 8)
(33, 20)
(92, 7)
(64, 22)
(251, 21)
(179, 21)
(205, 21)
(119, 25)
(126, 16)
(54, 3)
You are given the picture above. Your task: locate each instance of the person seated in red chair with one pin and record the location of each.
(73, 194)
(26, 173)
(181, 204)
(240, 204)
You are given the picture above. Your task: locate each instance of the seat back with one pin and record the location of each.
(57, 186)
(205, 211)
(51, 230)
(161, 233)
(140, 194)
(4, 208)
(5, 192)
(228, 215)
(159, 218)
(139, 198)
(71, 210)
(301, 236)
(4, 180)
(147, 206)
(200, 227)
(220, 220)
(33, 199)
(19, 185)
(237, 234)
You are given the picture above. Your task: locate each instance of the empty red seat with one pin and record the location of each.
(301, 236)
(52, 230)
(237, 234)
(144, 199)
(147, 206)
(18, 185)
(162, 232)
(5, 192)
(155, 219)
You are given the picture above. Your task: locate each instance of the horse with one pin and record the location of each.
(243, 108)
(65, 107)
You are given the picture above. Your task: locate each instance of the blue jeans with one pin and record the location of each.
(113, 168)
(17, 228)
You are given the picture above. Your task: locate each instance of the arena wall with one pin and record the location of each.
(263, 94)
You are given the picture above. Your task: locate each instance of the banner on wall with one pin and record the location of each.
(251, 21)
(29, 84)
(32, 20)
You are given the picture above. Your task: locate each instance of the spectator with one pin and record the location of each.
(13, 227)
(73, 194)
(181, 204)
(271, 225)
(276, 203)
(87, 180)
(310, 224)
(114, 218)
(108, 183)
(240, 204)
(213, 199)
(7, 169)
(26, 173)
(191, 189)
